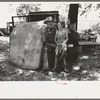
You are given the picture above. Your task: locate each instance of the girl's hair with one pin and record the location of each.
(63, 24)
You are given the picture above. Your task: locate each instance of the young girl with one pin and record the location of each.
(61, 40)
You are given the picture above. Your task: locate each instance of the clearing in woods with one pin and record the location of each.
(86, 68)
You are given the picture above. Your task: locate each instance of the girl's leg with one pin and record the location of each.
(64, 62)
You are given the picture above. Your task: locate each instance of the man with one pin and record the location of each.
(73, 38)
(49, 41)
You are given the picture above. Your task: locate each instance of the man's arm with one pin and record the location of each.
(44, 35)
(56, 36)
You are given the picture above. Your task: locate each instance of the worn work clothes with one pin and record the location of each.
(73, 38)
(50, 34)
(49, 40)
(51, 57)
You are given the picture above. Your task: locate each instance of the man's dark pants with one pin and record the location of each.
(51, 57)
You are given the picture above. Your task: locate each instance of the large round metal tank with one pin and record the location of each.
(26, 45)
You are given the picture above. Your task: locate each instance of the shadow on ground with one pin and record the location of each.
(87, 68)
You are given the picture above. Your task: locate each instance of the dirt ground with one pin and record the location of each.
(87, 67)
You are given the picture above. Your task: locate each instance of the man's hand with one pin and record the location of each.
(53, 45)
(59, 44)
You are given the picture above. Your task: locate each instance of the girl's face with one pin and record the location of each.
(59, 26)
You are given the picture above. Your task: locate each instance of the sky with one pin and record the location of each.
(6, 13)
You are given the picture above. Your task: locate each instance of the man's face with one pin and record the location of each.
(50, 24)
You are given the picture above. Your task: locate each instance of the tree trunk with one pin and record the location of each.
(73, 16)
(73, 52)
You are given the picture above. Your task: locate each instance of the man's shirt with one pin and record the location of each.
(50, 34)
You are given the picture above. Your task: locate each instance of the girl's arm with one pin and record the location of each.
(66, 38)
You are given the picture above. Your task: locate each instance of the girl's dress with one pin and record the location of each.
(61, 36)
(61, 49)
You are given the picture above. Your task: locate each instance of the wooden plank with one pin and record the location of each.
(88, 43)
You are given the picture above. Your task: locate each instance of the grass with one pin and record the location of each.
(88, 63)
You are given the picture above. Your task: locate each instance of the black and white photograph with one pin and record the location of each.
(49, 41)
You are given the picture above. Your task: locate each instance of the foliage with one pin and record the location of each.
(96, 27)
(24, 9)
(84, 8)
(64, 12)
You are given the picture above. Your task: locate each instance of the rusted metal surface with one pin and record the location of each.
(26, 45)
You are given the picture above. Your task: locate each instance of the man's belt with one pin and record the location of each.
(51, 44)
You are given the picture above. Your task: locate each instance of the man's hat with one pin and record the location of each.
(48, 19)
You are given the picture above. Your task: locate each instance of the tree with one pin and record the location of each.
(24, 9)
(73, 14)
(81, 10)
(85, 8)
